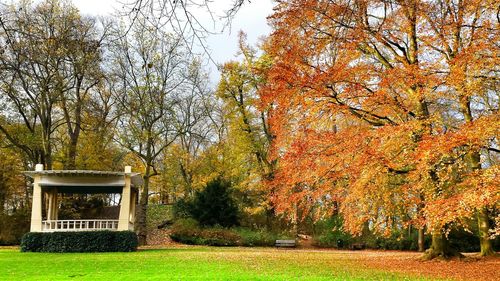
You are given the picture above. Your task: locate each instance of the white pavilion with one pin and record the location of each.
(48, 183)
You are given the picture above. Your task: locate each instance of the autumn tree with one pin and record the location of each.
(238, 88)
(358, 92)
(248, 136)
(467, 59)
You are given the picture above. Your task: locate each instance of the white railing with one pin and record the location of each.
(79, 225)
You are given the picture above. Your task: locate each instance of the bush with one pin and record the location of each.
(81, 241)
(214, 205)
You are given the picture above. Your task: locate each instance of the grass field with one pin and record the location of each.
(206, 263)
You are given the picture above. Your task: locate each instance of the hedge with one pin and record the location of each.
(79, 241)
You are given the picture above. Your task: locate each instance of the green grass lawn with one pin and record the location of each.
(192, 263)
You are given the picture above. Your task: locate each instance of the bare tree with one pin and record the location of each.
(49, 59)
(82, 67)
(184, 18)
(150, 68)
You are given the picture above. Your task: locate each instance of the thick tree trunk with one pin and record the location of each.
(142, 210)
(484, 227)
(440, 248)
(421, 239)
(46, 144)
(482, 213)
(74, 135)
(474, 161)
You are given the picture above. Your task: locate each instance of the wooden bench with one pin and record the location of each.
(286, 243)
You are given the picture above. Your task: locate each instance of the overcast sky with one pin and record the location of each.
(251, 19)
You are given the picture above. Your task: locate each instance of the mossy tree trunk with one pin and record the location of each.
(474, 162)
(440, 248)
(484, 227)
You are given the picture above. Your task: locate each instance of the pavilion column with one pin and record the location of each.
(52, 209)
(133, 199)
(123, 220)
(50, 202)
(56, 206)
(36, 207)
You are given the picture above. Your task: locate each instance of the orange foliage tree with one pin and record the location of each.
(388, 108)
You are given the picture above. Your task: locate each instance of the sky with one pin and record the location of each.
(224, 46)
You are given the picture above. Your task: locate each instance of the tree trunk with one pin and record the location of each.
(421, 239)
(142, 211)
(46, 144)
(440, 248)
(73, 130)
(295, 221)
(71, 161)
(47, 160)
(484, 227)
(474, 161)
(482, 213)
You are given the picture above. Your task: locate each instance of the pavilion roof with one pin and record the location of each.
(78, 173)
(85, 181)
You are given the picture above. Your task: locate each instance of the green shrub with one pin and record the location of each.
(214, 205)
(80, 241)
